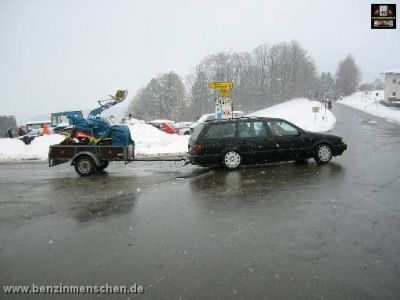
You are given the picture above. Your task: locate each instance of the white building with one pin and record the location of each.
(392, 85)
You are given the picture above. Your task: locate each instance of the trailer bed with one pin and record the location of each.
(59, 154)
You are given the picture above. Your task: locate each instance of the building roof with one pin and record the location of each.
(392, 71)
(38, 122)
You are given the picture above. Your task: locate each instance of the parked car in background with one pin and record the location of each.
(167, 126)
(36, 125)
(184, 127)
(34, 129)
(253, 140)
(209, 117)
(31, 135)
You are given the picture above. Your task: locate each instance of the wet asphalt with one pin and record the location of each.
(281, 231)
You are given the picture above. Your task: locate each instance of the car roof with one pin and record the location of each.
(242, 118)
(161, 121)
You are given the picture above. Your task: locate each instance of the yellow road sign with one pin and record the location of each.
(221, 85)
(224, 92)
(315, 109)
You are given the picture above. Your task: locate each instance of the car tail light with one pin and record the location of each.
(198, 149)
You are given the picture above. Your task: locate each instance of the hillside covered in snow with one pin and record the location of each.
(299, 112)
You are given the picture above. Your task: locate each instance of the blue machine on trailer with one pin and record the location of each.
(99, 129)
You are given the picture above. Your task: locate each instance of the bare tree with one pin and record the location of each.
(161, 98)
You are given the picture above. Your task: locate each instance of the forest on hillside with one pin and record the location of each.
(268, 75)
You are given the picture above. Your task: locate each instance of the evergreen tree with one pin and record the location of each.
(347, 76)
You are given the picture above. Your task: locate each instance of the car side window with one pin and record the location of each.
(220, 131)
(281, 128)
(252, 129)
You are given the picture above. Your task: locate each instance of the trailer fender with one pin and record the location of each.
(95, 158)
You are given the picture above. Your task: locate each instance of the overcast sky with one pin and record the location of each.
(65, 54)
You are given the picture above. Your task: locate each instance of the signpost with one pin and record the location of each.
(224, 87)
(223, 108)
(315, 110)
(221, 85)
(366, 95)
(223, 105)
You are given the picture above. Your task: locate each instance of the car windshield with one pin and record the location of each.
(58, 119)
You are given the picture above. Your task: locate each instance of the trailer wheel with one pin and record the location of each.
(84, 165)
(104, 164)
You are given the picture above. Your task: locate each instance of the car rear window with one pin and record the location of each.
(220, 131)
(196, 132)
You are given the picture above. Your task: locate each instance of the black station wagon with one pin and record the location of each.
(253, 140)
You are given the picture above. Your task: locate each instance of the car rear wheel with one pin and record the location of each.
(323, 154)
(84, 165)
(231, 160)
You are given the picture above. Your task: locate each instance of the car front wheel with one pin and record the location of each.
(231, 160)
(323, 154)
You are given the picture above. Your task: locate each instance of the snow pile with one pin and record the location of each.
(14, 149)
(299, 112)
(371, 105)
(132, 121)
(151, 141)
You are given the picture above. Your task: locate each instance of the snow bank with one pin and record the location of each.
(152, 141)
(371, 105)
(14, 149)
(299, 112)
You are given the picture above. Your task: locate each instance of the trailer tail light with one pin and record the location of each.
(198, 148)
(81, 134)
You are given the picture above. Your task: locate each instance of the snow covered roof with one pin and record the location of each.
(38, 122)
(161, 121)
(392, 71)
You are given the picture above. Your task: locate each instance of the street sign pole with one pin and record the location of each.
(223, 105)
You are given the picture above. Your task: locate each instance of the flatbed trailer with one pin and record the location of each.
(87, 159)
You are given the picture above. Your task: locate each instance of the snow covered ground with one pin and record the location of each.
(149, 141)
(152, 141)
(299, 112)
(371, 105)
(16, 150)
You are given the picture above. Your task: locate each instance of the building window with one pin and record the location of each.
(394, 94)
(394, 80)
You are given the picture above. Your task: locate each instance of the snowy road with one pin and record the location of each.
(273, 232)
